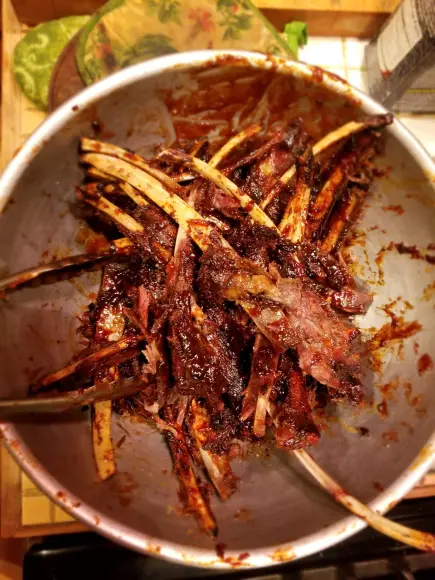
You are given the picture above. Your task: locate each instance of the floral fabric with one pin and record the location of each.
(124, 32)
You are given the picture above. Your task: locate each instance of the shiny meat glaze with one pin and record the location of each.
(238, 336)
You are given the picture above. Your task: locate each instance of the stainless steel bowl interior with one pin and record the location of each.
(278, 513)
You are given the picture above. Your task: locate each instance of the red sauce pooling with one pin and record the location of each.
(412, 400)
(413, 251)
(383, 409)
(397, 209)
(238, 89)
(388, 390)
(390, 436)
(220, 550)
(396, 330)
(425, 363)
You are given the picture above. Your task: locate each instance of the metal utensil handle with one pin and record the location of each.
(71, 400)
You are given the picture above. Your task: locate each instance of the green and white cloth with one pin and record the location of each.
(36, 55)
(125, 32)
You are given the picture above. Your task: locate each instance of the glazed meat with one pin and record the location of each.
(231, 302)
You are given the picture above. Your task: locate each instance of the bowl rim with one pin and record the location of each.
(201, 557)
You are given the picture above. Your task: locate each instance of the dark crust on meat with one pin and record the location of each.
(295, 425)
(249, 335)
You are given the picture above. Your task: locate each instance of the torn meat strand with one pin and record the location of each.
(229, 304)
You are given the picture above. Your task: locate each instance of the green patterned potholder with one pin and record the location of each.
(124, 32)
(36, 55)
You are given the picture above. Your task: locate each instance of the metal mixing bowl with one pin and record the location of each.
(279, 513)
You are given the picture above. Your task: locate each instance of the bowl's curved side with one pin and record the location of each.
(102, 523)
(259, 558)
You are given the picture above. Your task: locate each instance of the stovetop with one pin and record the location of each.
(368, 555)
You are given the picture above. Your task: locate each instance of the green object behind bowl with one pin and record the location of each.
(123, 32)
(36, 54)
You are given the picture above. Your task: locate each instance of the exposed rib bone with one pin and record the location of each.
(124, 219)
(342, 132)
(262, 373)
(133, 194)
(233, 143)
(340, 221)
(100, 175)
(114, 151)
(102, 439)
(191, 492)
(217, 466)
(219, 179)
(109, 325)
(294, 220)
(89, 360)
(186, 217)
(117, 214)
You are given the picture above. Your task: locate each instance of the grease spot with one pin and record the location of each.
(397, 209)
(425, 364)
(378, 486)
(283, 555)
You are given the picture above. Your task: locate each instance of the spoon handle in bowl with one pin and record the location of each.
(63, 402)
(70, 266)
(420, 540)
